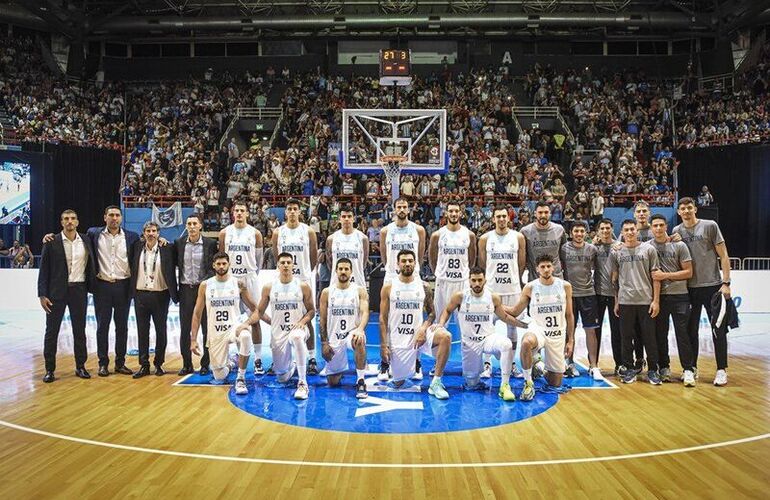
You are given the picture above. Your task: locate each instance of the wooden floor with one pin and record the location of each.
(103, 438)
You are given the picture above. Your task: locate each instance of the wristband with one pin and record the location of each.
(726, 283)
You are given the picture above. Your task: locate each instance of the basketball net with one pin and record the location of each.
(391, 165)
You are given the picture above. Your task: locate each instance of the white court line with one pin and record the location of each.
(612, 385)
(225, 458)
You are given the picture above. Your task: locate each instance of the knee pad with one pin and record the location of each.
(221, 373)
(244, 343)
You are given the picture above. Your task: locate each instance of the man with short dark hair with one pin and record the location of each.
(605, 292)
(194, 255)
(675, 269)
(66, 274)
(709, 253)
(637, 300)
(543, 237)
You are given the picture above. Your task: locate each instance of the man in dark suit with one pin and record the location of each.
(153, 283)
(66, 274)
(194, 257)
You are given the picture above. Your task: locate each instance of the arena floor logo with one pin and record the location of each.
(408, 410)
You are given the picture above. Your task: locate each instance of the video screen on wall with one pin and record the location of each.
(15, 192)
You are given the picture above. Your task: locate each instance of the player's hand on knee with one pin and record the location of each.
(326, 351)
(385, 353)
(419, 338)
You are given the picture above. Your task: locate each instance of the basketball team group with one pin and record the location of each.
(537, 281)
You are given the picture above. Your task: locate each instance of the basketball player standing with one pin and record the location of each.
(503, 255)
(244, 245)
(348, 243)
(298, 240)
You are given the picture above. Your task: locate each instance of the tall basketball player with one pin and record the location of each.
(503, 254)
(476, 309)
(452, 250)
(579, 261)
(298, 240)
(291, 310)
(344, 309)
(543, 237)
(348, 243)
(552, 328)
(605, 292)
(401, 234)
(221, 296)
(406, 326)
(243, 244)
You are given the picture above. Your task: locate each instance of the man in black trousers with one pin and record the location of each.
(194, 257)
(66, 274)
(153, 283)
(112, 246)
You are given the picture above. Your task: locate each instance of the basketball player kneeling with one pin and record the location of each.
(221, 296)
(552, 326)
(344, 308)
(291, 302)
(406, 330)
(477, 308)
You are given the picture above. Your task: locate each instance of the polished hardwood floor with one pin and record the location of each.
(116, 437)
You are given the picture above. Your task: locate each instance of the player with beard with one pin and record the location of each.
(401, 234)
(344, 308)
(605, 292)
(543, 237)
(406, 326)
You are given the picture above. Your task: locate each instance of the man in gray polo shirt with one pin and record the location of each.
(675, 268)
(637, 299)
(543, 237)
(605, 292)
(579, 260)
(709, 254)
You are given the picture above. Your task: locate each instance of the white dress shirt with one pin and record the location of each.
(75, 250)
(112, 252)
(149, 276)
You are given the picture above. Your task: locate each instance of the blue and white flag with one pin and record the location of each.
(167, 217)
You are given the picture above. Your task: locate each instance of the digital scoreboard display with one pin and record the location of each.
(395, 63)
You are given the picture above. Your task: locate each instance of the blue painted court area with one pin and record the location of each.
(407, 410)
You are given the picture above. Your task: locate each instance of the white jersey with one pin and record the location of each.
(241, 247)
(287, 306)
(548, 307)
(342, 313)
(476, 316)
(397, 239)
(223, 300)
(503, 262)
(350, 246)
(296, 242)
(452, 263)
(407, 301)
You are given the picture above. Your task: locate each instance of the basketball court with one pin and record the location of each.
(185, 437)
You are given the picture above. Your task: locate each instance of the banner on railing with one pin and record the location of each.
(167, 217)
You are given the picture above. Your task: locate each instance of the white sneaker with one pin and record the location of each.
(302, 391)
(721, 378)
(487, 373)
(384, 373)
(538, 370)
(240, 387)
(572, 371)
(515, 372)
(596, 373)
(322, 373)
(232, 361)
(418, 374)
(688, 378)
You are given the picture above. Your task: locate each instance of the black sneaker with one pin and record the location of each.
(383, 375)
(361, 389)
(312, 367)
(270, 370)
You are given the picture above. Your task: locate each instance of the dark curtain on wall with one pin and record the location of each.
(84, 179)
(739, 178)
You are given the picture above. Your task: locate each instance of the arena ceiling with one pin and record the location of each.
(131, 18)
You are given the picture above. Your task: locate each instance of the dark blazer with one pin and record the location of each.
(53, 276)
(210, 247)
(167, 263)
(93, 235)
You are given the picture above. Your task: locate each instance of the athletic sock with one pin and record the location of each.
(527, 374)
(505, 378)
(242, 373)
(360, 374)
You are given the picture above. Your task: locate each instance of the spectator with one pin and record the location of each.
(705, 198)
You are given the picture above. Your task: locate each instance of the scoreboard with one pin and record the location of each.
(395, 67)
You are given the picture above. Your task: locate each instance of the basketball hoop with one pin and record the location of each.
(391, 165)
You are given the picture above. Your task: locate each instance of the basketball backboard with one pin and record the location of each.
(369, 136)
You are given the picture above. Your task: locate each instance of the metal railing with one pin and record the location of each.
(724, 82)
(735, 263)
(254, 113)
(536, 112)
(755, 264)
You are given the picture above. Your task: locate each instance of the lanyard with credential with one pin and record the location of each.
(149, 276)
